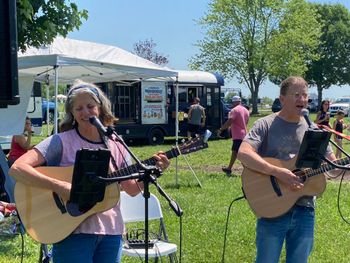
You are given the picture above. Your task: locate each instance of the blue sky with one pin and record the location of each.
(172, 26)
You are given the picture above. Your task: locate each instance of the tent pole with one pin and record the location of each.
(176, 126)
(56, 93)
(47, 109)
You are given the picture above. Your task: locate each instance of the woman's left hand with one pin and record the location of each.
(162, 160)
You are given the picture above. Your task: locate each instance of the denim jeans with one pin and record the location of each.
(88, 248)
(295, 227)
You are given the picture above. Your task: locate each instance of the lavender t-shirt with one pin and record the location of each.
(60, 150)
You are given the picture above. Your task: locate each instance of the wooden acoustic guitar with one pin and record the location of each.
(48, 219)
(268, 197)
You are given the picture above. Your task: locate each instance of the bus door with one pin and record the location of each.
(187, 93)
(213, 107)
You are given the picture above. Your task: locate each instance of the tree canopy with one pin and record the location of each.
(253, 39)
(146, 50)
(40, 21)
(333, 65)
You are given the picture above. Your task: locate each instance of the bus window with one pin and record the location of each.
(182, 94)
(192, 93)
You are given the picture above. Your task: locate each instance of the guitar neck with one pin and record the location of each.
(325, 167)
(134, 168)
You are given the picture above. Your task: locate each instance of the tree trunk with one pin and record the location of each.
(319, 93)
(255, 94)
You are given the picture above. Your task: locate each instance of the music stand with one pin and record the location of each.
(312, 149)
(87, 190)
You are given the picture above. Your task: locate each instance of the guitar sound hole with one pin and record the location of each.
(300, 174)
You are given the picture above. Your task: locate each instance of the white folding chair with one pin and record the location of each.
(133, 210)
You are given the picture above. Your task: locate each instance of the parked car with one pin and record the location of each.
(342, 103)
(312, 105)
(51, 106)
(276, 105)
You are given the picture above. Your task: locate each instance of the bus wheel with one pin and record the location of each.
(155, 137)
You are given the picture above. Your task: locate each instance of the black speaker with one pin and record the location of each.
(8, 54)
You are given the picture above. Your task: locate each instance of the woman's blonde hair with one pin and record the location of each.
(81, 87)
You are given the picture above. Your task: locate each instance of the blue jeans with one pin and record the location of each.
(295, 227)
(88, 248)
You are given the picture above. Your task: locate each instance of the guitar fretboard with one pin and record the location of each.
(325, 167)
(134, 168)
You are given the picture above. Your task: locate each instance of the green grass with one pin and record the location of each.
(205, 212)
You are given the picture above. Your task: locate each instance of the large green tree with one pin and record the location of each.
(252, 39)
(40, 21)
(333, 65)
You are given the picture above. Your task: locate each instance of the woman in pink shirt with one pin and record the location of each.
(99, 237)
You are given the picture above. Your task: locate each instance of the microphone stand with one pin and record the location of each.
(343, 167)
(148, 174)
(305, 113)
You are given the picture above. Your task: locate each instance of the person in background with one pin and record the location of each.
(98, 238)
(20, 144)
(279, 136)
(322, 117)
(238, 119)
(196, 118)
(339, 126)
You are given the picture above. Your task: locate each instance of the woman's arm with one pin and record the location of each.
(23, 170)
(133, 187)
(23, 141)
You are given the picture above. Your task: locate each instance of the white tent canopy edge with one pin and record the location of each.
(65, 60)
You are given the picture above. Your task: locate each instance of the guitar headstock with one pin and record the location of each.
(195, 144)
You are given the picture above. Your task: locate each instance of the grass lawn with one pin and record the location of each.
(205, 212)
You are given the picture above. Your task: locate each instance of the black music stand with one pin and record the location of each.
(87, 190)
(312, 149)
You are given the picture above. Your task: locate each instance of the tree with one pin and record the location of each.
(245, 39)
(40, 21)
(145, 49)
(333, 67)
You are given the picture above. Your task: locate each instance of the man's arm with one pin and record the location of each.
(203, 117)
(189, 113)
(252, 160)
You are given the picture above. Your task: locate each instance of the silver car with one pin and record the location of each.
(342, 103)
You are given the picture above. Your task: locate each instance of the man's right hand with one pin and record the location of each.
(289, 178)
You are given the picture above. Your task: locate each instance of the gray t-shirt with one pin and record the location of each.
(196, 114)
(274, 137)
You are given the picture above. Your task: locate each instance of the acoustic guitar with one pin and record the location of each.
(268, 197)
(48, 219)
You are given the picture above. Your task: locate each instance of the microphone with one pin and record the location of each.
(305, 113)
(97, 123)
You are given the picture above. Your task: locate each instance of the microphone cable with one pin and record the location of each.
(226, 226)
(338, 198)
(180, 223)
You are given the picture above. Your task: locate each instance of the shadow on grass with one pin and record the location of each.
(181, 185)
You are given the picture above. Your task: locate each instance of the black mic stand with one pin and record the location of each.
(148, 174)
(334, 164)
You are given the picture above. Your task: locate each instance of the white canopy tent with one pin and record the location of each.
(66, 60)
